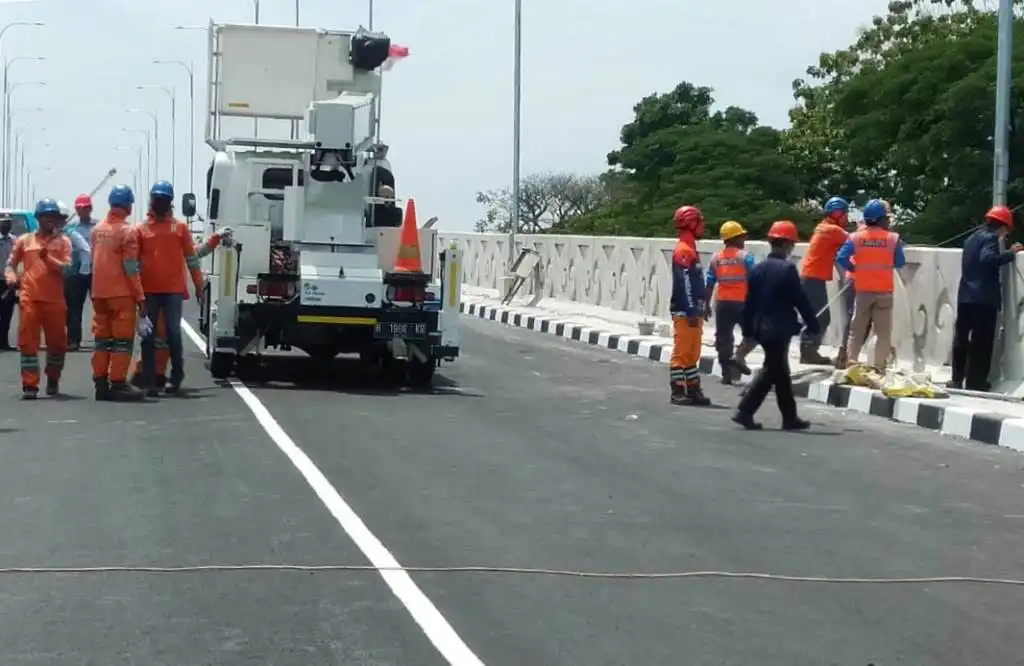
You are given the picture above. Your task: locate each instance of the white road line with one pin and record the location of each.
(423, 611)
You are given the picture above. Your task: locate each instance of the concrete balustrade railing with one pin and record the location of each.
(633, 274)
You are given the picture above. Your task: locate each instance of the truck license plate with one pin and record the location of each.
(408, 330)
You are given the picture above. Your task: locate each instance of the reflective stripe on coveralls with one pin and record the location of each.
(686, 338)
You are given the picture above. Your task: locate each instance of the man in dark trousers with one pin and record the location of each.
(979, 300)
(8, 297)
(774, 297)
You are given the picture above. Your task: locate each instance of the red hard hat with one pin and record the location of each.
(1000, 214)
(83, 201)
(687, 217)
(784, 230)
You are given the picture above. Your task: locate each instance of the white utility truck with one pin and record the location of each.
(310, 265)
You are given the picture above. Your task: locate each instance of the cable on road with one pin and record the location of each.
(569, 573)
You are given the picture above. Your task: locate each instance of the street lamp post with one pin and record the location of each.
(156, 137)
(7, 89)
(189, 67)
(3, 139)
(149, 150)
(174, 126)
(1009, 358)
(517, 100)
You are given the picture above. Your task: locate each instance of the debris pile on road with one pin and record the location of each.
(893, 383)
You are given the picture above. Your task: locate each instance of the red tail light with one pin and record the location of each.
(408, 294)
(282, 290)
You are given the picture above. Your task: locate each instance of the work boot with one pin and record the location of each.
(161, 381)
(795, 423)
(695, 396)
(172, 388)
(52, 387)
(102, 388)
(957, 384)
(746, 420)
(678, 395)
(124, 392)
(29, 392)
(809, 355)
(136, 380)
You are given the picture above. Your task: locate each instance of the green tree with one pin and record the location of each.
(679, 150)
(546, 201)
(906, 113)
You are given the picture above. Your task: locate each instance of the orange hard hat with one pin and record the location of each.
(1000, 214)
(784, 230)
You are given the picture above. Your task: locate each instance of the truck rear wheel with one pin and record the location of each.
(222, 365)
(421, 373)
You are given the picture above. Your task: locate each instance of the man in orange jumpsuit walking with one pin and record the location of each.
(687, 305)
(116, 298)
(45, 256)
(165, 243)
(818, 269)
(163, 355)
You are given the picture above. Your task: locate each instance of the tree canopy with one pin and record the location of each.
(905, 113)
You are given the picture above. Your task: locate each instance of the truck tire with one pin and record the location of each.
(421, 374)
(222, 365)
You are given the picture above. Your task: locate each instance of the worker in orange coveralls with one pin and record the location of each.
(163, 354)
(116, 298)
(164, 243)
(45, 256)
(687, 308)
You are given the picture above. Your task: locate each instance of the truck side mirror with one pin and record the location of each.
(188, 205)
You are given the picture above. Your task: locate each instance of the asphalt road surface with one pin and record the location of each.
(532, 452)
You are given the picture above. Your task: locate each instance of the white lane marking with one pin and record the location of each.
(423, 611)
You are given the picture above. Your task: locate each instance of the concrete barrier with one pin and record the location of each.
(633, 274)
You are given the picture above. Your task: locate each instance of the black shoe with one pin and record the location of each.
(74, 346)
(29, 393)
(161, 381)
(796, 424)
(746, 420)
(172, 388)
(954, 384)
(123, 392)
(102, 388)
(52, 387)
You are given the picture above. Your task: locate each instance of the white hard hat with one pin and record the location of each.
(64, 210)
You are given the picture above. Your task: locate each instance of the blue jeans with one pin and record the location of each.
(171, 306)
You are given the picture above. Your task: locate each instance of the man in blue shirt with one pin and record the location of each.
(979, 299)
(8, 298)
(78, 283)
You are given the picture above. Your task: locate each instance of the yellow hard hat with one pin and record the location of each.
(732, 229)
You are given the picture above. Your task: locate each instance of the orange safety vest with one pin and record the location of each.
(874, 251)
(730, 266)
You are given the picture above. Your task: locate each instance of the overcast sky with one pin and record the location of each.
(447, 109)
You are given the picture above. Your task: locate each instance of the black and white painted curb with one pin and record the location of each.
(985, 427)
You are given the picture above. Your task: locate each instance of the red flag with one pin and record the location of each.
(396, 52)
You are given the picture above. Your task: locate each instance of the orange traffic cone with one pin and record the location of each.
(409, 260)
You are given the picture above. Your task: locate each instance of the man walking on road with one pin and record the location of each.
(164, 245)
(45, 256)
(774, 297)
(78, 283)
(8, 297)
(979, 299)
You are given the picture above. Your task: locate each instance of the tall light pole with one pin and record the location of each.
(156, 138)
(174, 125)
(149, 149)
(18, 175)
(1009, 360)
(7, 119)
(256, 20)
(3, 140)
(7, 133)
(189, 67)
(138, 172)
(517, 103)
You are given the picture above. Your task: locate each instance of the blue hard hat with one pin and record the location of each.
(121, 196)
(837, 205)
(47, 207)
(875, 210)
(162, 188)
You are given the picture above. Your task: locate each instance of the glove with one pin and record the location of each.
(144, 327)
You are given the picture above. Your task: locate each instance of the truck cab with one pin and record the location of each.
(311, 263)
